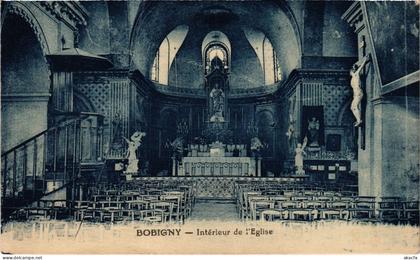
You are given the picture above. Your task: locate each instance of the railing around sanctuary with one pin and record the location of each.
(51, 159)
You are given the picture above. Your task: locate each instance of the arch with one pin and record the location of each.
(265, 124)
(25, 76)
(22, 54)
(216, 50)
(166, 113)
(81, 103)
(264, 116)
(20, 10)
(215, 37)
(284, 6)
(218, 44)
(341, 113)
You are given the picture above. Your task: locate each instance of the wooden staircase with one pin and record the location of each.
(48, 164)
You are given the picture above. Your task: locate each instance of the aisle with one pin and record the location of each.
(214, 210)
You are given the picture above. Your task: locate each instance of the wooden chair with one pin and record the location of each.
(302, 213)
(258, 205)
(85, 210)
(245, 209)
(271, 215)
(390, 209)
(362, 208)
(155, 218)
(411, 211)
(286, 207)
(165, 208)
(177, 211)
(335, 210)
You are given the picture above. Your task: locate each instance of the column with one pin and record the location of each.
(259, 167)
(174, 166)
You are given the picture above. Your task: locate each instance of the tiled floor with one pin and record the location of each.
(214, 210)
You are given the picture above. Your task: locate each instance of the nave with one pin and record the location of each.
(293, 211)
(175, 201)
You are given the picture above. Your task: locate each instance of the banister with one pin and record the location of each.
(40, 134)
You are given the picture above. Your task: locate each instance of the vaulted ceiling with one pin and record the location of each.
(156, 19)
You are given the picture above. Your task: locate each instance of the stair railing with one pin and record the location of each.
(54, 154)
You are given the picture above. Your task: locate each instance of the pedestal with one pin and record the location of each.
(132, 166)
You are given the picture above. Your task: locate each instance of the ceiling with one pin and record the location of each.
(156, 19)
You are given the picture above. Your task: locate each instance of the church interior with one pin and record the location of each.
(173, 111)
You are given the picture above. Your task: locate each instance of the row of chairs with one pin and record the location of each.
(113, 203)
(297, 186)
(271, 204)
(143, 204)
(45, 208)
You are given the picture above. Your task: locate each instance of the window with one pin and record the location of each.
(216, 49)
(154, 74)
(277, 69)
(216, 54)
(165, 56)
(266, 54)
(272, 72)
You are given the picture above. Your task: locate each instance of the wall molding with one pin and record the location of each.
(26, 97)
(401, 82)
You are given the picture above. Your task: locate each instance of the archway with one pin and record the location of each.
(25, 82)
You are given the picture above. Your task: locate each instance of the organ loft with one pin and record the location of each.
(150, 111)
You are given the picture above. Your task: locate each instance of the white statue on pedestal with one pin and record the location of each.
(299, 153)
(133, 144)
(356, 85)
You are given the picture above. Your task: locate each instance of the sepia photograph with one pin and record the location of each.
(228, 127)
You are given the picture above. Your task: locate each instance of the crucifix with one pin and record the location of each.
(358, 105)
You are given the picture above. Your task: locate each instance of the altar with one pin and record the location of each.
(217, 166)
(214, 153)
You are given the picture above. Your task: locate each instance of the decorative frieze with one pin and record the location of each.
(354, 16)
(72, 13)
(22, 11)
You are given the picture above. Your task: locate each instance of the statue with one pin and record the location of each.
(218, 101)
(256, 145)
(356, 85)
(133, 144)
(117, 142)
(299, 153)
(313, 129)
(177, 147)
(291, 129)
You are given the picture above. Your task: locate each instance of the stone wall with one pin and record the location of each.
(24, 83)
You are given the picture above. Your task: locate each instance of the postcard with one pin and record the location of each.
(209, 127)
